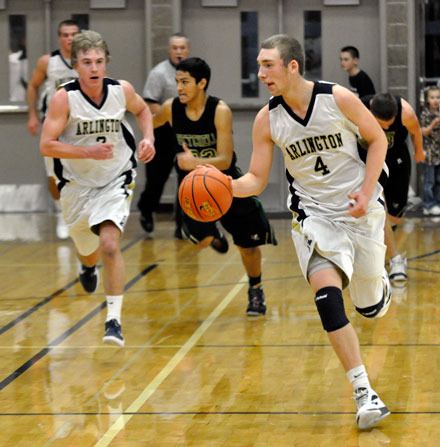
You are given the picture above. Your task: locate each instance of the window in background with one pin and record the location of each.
(432, 39)
(249, 53)
(312, 44)
(82, 20)
(18, 64)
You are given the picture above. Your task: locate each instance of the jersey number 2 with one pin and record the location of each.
(101, 139)
(320, 166)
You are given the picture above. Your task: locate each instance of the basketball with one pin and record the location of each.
(205, 194)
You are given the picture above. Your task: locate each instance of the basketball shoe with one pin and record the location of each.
(370, 409)
(178, 233)
(220, 243)
(398, 269)
(257, 303)
(147, 222)
(113, 333)
(89, 278)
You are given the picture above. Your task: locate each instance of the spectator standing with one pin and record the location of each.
(360, 82)
(430, 122)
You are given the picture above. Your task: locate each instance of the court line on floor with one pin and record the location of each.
(151, 388)
(40, 354)
(425, 255)
(207, 413)
(49, 298)
(222, 284)
(234, 346)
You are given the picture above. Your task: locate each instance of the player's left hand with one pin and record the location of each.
(357, 204)
(419, 156)
(146, 151)
(186, 160)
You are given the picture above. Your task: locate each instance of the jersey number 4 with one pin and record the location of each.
(321, 167)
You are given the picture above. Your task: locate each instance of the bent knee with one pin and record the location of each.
(371, 311)
(380, 308)
(330, 307)
(109, 246)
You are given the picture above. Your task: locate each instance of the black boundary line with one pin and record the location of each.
(49, 298)
(417, 269)
(319, 345)
(426, 255)
(292, 345)
(25, 366)
(223, 284)
(192, 413)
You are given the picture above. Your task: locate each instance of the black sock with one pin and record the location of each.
(85, 267)
(254, 282)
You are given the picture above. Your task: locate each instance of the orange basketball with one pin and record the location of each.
(205, 194)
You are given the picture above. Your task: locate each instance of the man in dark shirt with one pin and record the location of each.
(397, 119)
(203, 127)
(360, 82)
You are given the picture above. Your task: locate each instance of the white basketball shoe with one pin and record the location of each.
(398, 269)
(370, 409)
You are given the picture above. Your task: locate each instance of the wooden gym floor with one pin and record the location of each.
(195, 370)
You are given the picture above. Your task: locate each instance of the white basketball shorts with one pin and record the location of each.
(85, 207)
(356, 246)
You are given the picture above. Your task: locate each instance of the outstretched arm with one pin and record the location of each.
(255, 180)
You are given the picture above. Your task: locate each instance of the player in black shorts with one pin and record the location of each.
(397, 118)
(203, 126)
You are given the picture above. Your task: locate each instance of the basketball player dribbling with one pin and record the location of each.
(336, 199)
(94, 150)
(203, 126)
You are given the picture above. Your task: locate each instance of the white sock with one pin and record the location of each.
(57, 206)
(114, 306)
(358, 377)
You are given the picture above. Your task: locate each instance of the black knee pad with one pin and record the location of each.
(330, 306)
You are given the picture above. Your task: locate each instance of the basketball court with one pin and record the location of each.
(195, 370)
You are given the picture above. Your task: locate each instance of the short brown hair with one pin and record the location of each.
(87, 40)
(288, 47)
(68, 22)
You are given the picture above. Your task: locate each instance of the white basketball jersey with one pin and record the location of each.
(59, 71)
(320, 154)
(89, 124)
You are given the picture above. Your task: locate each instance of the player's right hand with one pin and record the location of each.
(33, 125)
(100, 151)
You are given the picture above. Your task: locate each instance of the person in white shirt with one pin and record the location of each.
(335, 199)
(51, 71)
(95, 159)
